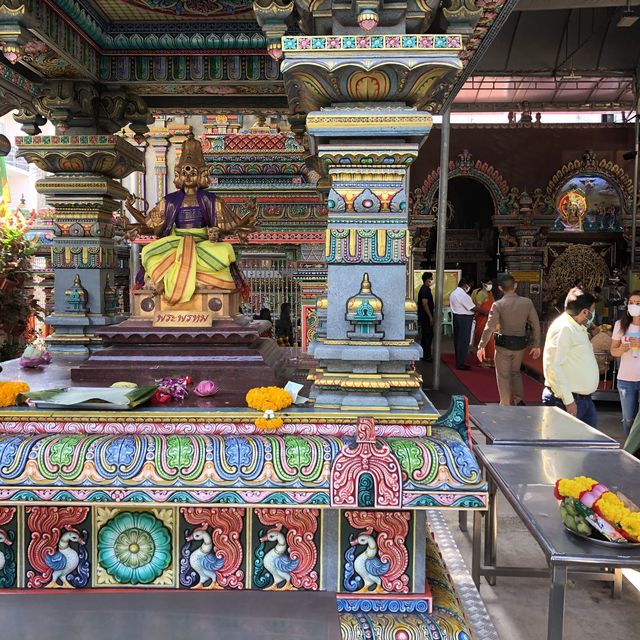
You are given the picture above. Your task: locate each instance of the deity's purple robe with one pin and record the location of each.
(173, 202)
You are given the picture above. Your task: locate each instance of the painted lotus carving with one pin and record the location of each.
(134, 548)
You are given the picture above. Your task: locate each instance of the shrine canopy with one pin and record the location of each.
(211, 56)
(568, 54)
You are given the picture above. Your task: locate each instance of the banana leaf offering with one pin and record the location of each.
(109, 398)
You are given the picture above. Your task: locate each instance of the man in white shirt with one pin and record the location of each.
(570, 367)
(463, 309)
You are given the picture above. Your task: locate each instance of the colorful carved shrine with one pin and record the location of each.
(575, 227)
(201, 494)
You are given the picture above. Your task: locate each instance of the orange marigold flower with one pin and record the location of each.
(273, 423)
(268, 398)
(9, 392)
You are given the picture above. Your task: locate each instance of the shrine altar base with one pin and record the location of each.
(202, 499)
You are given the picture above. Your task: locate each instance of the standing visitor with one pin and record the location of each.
(512, 313)
(483, 299)
(425, 315)
(284, 326)
(463, 310)
(570, 367)
(625, 344)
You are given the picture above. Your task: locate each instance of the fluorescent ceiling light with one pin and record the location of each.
(628, 18)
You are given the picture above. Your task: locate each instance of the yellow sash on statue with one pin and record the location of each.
(186, 258)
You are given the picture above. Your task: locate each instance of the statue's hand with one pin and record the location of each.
(214, 234)
(130, 199)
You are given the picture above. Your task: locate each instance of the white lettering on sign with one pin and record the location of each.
(183, 319)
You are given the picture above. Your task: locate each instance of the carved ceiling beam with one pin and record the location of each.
(16, 90)
(34, 36)
(88, 107)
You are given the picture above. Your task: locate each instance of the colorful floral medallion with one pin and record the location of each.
(134, 548)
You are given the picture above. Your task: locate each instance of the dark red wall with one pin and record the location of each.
(527, 156)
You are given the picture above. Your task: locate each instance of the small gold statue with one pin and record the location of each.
(190, 224)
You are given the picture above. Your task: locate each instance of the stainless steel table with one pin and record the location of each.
(542, 426)
(547, 426)
(526, 476)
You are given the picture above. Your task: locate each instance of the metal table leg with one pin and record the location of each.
(476, 548)
(616, 587)
(491, 531)
(462, 521)
(556, 602)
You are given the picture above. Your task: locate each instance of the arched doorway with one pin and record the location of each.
(471, 237)
(474, 195)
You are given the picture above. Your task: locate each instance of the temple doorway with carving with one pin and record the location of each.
(471, 237)
(474, 195)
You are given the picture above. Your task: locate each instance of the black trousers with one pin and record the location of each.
(426, 337)
(461, 337)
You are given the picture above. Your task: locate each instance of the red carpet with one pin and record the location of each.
(481, 381)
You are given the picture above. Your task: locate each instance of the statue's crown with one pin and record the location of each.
(191, 153)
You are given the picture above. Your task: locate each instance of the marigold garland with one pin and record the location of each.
(269, 400)
(265, 398)
(273, 423)
(9, 392)
(573, 488)
(604, 502)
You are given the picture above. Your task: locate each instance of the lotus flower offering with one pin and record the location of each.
(35, 355)
(591, 510)
(206, 388)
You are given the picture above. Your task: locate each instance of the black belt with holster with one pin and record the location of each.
(512, 343)
(582, 396)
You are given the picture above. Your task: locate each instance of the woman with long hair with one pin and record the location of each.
(625, 344)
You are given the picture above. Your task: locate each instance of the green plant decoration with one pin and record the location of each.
(17, 304)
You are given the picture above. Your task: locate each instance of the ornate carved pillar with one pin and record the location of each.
(362, 94)
(86, 161)
(367, 234)
(159, 140)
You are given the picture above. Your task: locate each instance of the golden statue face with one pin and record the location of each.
(189, 174)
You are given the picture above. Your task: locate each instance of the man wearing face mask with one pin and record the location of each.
(463, 308)
(570, 367)
(425, 315)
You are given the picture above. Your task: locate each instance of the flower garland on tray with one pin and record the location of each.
(269, 400)
(9, 391)
(582, 497)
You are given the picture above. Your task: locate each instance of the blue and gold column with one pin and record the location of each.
(363, 96)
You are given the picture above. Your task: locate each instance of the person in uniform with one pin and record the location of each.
(512, 313)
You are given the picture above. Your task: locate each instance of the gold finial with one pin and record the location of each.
(365, 285)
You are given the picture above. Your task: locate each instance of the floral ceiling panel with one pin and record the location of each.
(164, 10)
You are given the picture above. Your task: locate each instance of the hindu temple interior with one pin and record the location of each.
(221, 223)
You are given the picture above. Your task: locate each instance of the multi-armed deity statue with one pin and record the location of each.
(188, 306)
(190, 224)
